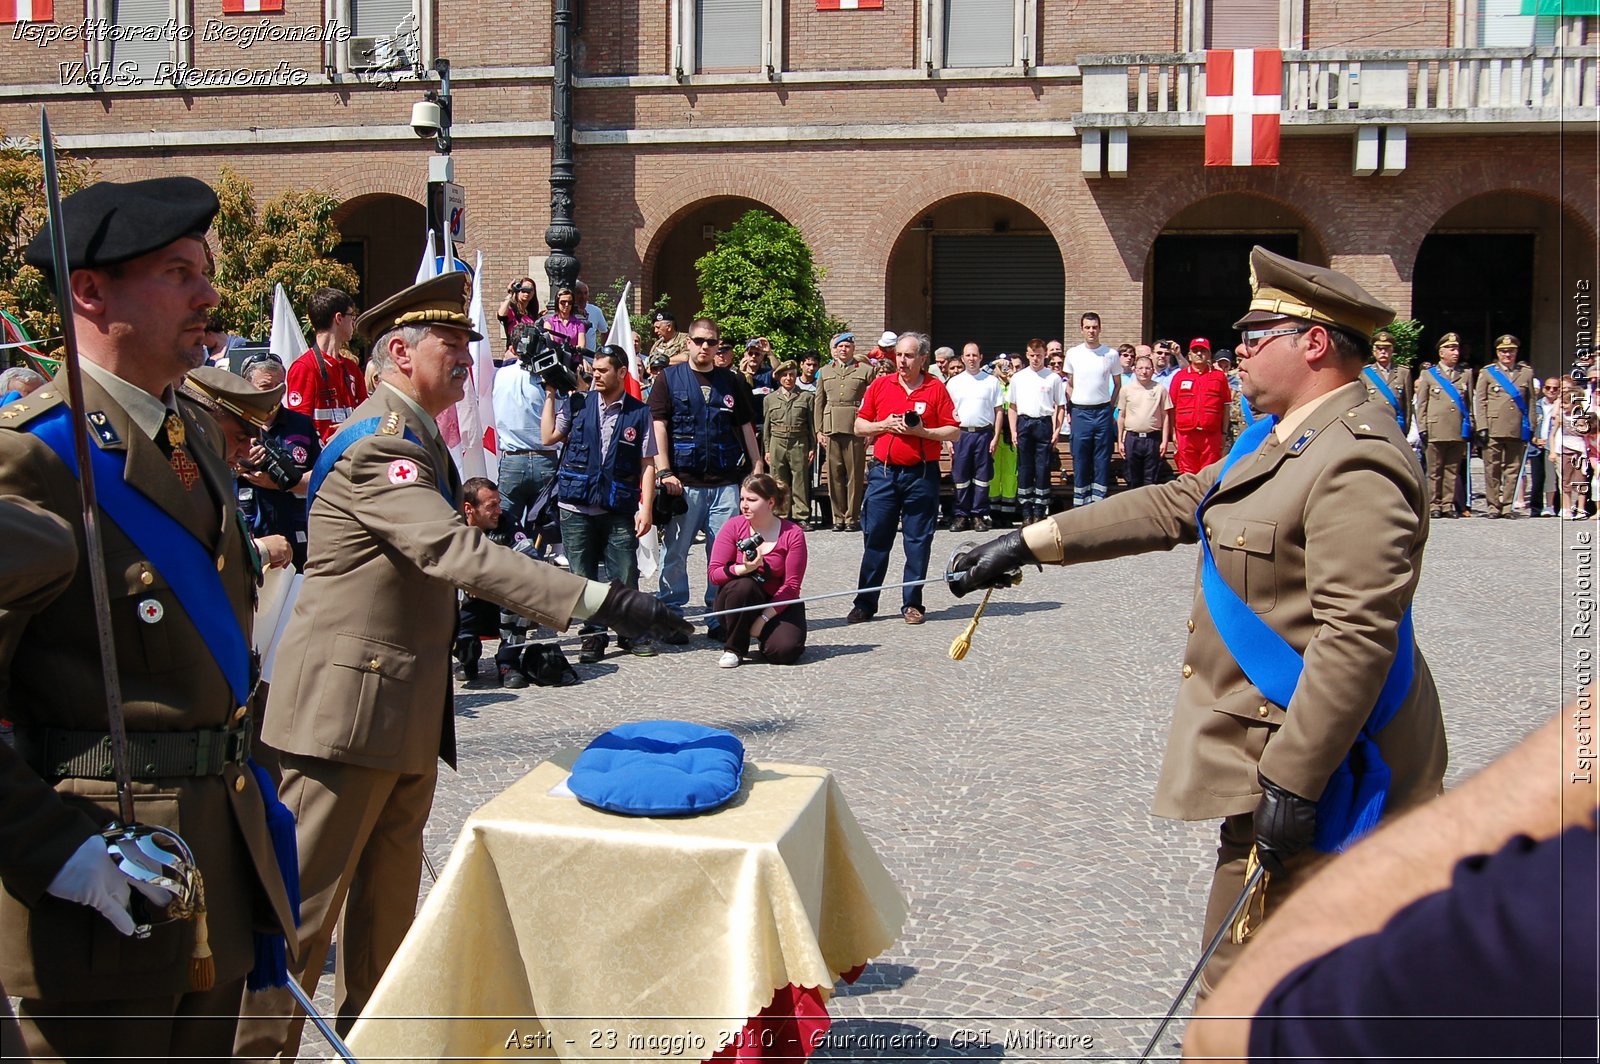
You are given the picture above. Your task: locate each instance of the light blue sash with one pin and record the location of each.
(1376, 378)
(1516, 397)
(1455, 397)
(340, 442)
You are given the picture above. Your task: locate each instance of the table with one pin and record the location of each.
(562, 931)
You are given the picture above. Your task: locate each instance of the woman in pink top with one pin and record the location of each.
(772, 575)
(563, 323)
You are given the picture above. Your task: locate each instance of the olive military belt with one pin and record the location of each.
(62, 753)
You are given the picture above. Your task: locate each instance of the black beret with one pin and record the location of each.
(108, 222)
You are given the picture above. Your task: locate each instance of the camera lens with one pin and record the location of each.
(913, 419)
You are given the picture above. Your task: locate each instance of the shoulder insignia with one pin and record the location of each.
(1300, 441)
(391, 424)
(101, 426)
(47, 394)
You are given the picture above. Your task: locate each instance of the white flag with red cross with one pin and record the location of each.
(1244, 99)
(27, 11)
(252, 7)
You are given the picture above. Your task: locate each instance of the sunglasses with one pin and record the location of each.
(259, 359)
(701, 341)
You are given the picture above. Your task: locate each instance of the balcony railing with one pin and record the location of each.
(1429, 84)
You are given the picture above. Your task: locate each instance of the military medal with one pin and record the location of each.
(180, 461)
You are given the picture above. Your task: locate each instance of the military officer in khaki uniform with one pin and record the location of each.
(1387, 381)
(789, 432)
(360, 706)
(1444, 417)
(1317, 529)
(840, 386)
(670, 343)
(140, 290)
(1504, 425)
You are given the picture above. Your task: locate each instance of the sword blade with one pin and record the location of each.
(94, 546)
(1205, 958)
(943, 578)
(334, 1041)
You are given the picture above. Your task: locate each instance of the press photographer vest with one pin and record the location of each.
(609, 481)
(705, 441)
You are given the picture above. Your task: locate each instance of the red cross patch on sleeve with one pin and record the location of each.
(402, 471)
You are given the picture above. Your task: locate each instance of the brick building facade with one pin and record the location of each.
(983, 168)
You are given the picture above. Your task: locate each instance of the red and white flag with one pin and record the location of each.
(27, 11)
(1244, 98)
(622, 335)
(848, 5)
(252, 7)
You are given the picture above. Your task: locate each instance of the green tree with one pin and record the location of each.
(24, 292)
(1407, 333)
(290, 242)
(760, 280)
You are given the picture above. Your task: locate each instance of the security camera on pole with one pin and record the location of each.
(447, 201)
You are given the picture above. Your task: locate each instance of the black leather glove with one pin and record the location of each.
(992, 564)
(1481, 438)
(1285, 824)
(635, 615)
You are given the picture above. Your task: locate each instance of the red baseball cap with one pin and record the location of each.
(1199, 341)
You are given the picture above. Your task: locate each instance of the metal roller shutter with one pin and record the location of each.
(998, 290)
(979, 33)
(1242, 24)
(729, 33)
(145, 53)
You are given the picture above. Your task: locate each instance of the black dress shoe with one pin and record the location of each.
(853, 526)
(980, 524)
(961, 524)
(838, 528)
(857, 615)
(592, 648)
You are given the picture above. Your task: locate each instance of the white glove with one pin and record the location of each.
(90, 877)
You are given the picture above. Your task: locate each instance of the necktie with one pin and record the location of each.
(172, 432)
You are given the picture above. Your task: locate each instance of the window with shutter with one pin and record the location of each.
(1242, 24)
(728, 35)
(979, 33)
(377, 18)
(145, 33)
(1501, 24)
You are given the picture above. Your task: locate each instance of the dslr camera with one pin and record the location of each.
(278, 464)
(750, 545)
(548, 357)
(912, 419)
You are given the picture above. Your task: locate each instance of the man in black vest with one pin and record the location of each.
(705, 444)
(606, 483)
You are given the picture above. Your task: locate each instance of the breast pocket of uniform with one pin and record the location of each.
(143, 611)
(367, 700)
(1243, 548)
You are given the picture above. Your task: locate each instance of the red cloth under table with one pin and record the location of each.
(791, 1027)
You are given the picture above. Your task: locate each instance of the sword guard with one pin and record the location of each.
(1009, 578)
(156, 857)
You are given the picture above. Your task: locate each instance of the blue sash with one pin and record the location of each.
(1455, 397)
(340, 442)
(1354, 797)
(1377, 381)
(1516, 397)
(172, 550)
(1246, 413)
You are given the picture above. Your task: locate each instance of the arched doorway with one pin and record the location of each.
(1504, 262)
(383, 237)
(976, 268)
(681, 242)
(1197, 280)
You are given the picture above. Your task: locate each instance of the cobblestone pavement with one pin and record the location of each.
(1051, 915)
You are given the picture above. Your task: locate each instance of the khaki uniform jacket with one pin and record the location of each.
(1322, 536)
(677, 347)
(839, 392)
(50, 677)
(363, 672)
(787, 420)
(1494, 410)
(1399, 380)
(1437, 415)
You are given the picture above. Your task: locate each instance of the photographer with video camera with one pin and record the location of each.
(760, 557)
(527, 465)
(275, 470)
(606, 483)
(520, 307)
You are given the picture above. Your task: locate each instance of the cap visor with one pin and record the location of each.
(1257, 316)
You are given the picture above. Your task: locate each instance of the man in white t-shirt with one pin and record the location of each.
(1038, 403)
(1092, 372)
(596, 317)
(978, 401)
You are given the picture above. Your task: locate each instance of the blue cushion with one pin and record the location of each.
(659, 768)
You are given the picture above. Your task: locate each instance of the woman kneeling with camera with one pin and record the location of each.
(759, 557)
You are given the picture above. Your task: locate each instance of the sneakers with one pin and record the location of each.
(464, 674)
(857, 615)
(592, 648)
(1576, 514)
(729, 660)
(512, 679)
(913, 615)
(639, 648)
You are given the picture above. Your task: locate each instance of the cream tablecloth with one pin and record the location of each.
(561, 931)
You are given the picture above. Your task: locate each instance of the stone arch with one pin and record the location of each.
(676, 199)
(374, 175)
(675, 245)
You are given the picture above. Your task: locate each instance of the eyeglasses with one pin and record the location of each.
(527, 291)
(701, 341)
(259, 358)
(1253, 337)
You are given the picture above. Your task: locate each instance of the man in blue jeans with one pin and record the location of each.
(526, 463)
(909, 418)
(1093, 371)
(606, 484)
(705, 444)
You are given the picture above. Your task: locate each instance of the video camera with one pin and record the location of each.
(554, 361)
(278, 464)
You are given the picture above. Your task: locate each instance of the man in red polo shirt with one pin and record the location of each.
(909, 417)
(323, 384)
(1200, 398)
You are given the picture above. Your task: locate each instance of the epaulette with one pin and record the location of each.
(392, 424)
(1365, 424)
(18, 414)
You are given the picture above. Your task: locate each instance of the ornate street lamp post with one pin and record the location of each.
(562, 236)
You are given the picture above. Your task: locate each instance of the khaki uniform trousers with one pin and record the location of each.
(1237, 838)
(847, 476)
(1444, 461)
(360, 837)
(1502, 461)
(198, 1026)
(790, 465)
